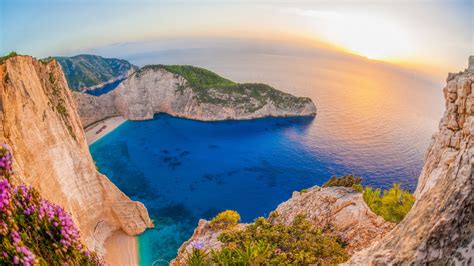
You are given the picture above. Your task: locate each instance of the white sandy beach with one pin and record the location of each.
(102, 128)
(121, 249)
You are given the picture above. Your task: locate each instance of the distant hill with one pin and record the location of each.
(86, 71)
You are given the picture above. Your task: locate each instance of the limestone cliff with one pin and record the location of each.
(439, 229)
(340, 211)
(39, 121)
(154, 89)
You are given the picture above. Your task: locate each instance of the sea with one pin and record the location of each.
(374, 120)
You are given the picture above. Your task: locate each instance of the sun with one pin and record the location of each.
(370, 36)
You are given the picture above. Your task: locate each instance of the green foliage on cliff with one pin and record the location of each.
(195, 76)
(4, 58)
(211, 88)
(34, 231)
(83, 71)
(343, 181)
(225, 220)
(267, 243)
(392, 204)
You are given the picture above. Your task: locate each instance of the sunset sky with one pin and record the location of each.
(435, 33)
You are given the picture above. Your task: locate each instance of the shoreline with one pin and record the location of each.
(121, 249)
(100, 129)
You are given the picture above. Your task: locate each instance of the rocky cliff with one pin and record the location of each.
(39, 121)
(87, 72)
(339, 210)
(155, 89)
(439, 229)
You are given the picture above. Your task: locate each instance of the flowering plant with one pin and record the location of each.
(32, 229)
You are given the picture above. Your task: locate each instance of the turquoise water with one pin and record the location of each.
(183, 170)
(373, 120)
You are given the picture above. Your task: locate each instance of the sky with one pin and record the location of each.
(437, 34)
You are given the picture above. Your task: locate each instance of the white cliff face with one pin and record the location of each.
(339, 208)
(158, 91)
(39, 121)
(439, 228)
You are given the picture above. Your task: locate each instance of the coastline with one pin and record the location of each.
(100, 129)
(121, 249)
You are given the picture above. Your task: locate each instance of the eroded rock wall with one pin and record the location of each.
(158, 91)
(440, 226)
(39, 121)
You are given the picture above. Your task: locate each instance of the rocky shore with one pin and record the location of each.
(156, 90)
(39, 119)
(438, 229)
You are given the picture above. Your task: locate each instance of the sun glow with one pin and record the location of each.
(369, 35)
(374, 38)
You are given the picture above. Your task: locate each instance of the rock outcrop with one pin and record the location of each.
(339, 211)
(156, 90)
(88, 72)
(439, 229)
(39, 121)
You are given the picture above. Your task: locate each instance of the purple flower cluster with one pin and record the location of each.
(5, 194)
(62, 221)
(6, 159)
(197, 244)
(23, 255)
(33, 227)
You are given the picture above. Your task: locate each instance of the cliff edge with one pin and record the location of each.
(439, 228)
(39, 121)
(189, 92)
(340, 211)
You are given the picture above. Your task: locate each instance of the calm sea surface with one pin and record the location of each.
(374, 121)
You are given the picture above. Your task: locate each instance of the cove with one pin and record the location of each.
(184, 170)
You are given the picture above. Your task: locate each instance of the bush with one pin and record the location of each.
(225, 220)
(33, 230)
(264, 243)
(392, 204)
(4, 58)
(343, 181)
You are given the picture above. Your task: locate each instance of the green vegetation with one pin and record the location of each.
(34, 231)
(392, 204)
(84, 71)
(46, 60)
(4, 58)
(225, 220)
(195, 76)
(264, 243)
(343, 181)
(209, 87)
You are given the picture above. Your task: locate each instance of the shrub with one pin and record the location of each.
(32, 229)
(267, 243)
(343, 181)
(225, 220)
(392, 204)
(263, 243)
(4, 58)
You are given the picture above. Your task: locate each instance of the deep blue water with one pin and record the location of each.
(106, 88)
(373, 120)
(183, 170)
